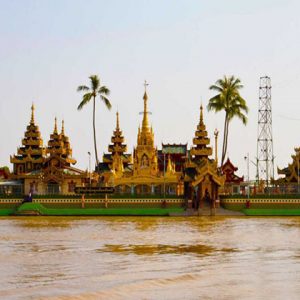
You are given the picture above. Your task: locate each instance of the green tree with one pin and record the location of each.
(92, 92)
(229, 100)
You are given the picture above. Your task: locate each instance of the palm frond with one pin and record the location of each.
(216, 103)
(106, 101)
(215, 87)
(83, 88)
(85, 99)
(95, 82)
(104, 90)
(242, 117)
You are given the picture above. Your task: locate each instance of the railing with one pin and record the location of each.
(111, 196)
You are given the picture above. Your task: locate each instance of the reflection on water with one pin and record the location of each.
(149, 258)
(162, 249)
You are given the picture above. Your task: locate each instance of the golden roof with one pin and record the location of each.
(31, 154)
(201, 140)
(59, 144)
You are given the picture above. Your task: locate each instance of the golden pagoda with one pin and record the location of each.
(30, 155)
(117, 160)
(46, 171)
(67, 145)
(201, 150)
(145, 154)
(58, 174)
(202, 177)
(59, 146)
(143, 175)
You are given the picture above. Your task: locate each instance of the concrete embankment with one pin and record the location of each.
(264, 205)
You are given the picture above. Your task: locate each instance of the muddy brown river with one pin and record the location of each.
(149, 258)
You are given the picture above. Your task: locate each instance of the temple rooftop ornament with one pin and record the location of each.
(30, 155)
(145, 124)
(117, 160)
(59, 145)
(202, 176)
(143, 176)
(145, 153)
(46, 171)
(32, 114)
(201, 141)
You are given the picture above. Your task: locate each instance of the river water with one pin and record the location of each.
(149, 258)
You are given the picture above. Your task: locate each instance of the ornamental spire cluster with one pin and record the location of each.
(145, 134)
(117, 159)
(32, 114)
(31, 154)
(201, 141)
(145, 124)
(59, 144)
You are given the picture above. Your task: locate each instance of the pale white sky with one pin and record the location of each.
(48, 48)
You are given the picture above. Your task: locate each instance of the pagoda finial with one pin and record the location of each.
(55, 126)
(118, 124)
(201, 114)
(145, 85)
(145, 94)
(145, 118)
(32, 114)
(62, 127)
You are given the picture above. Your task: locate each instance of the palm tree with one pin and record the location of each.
(92, 92)
(229, 100)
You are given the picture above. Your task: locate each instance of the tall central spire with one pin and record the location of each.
(145, 123)
(201, 115)
(32, 114)
(145, 134)
(63, 127)
(118, 124)
(55, 126)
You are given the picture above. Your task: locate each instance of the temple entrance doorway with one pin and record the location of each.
(142, 189)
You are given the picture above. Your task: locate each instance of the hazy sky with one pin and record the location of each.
(48, 48)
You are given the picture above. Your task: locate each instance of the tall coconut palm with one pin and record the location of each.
(92, 92)
(230, 101)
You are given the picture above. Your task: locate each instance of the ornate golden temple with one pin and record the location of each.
(46, 170)
(172, 170)
(139, 174)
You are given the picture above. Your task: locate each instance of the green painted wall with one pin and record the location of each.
(28, 208)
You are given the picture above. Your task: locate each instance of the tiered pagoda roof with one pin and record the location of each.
(65, 139)
(30, 155)
(117, 147)
(59, 145)
(201, 141)
(199, 166)
(117, 158)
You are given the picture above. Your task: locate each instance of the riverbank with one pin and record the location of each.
(149, 206)
(263, 205)
(75, 206)
(41, 210)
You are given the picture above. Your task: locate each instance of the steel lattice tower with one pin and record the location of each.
(265, 157)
